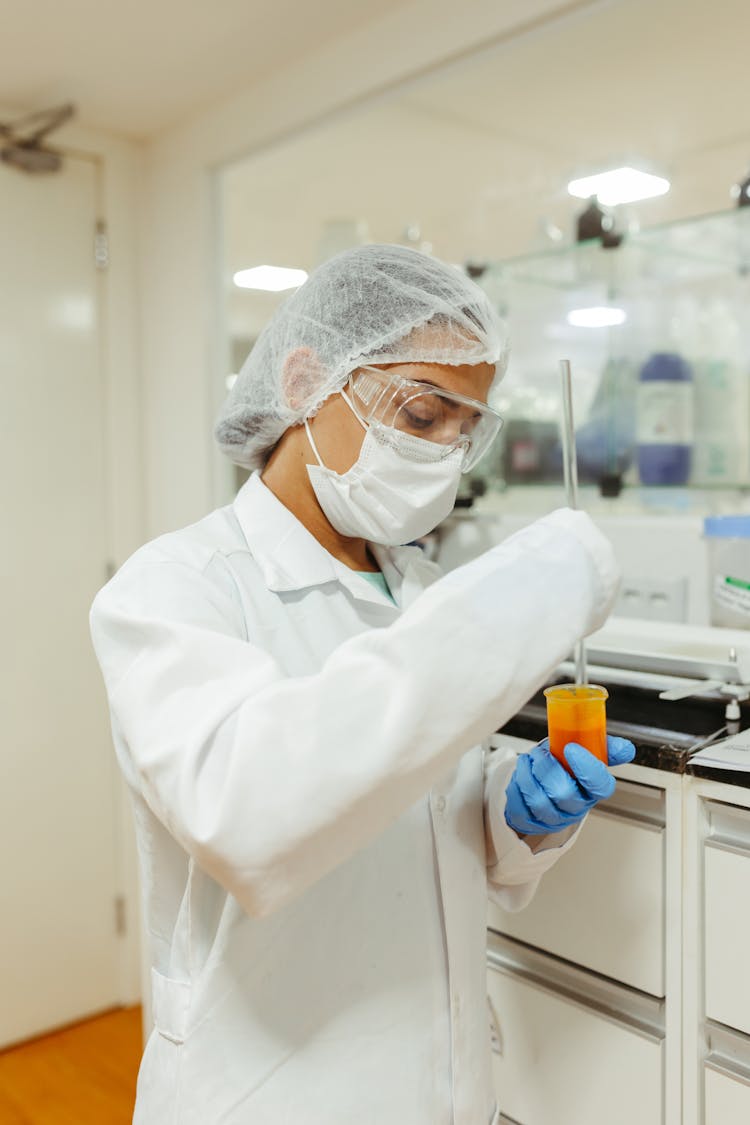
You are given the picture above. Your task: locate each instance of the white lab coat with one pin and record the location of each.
(314, 830)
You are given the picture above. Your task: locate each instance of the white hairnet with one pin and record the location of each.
(371, 304)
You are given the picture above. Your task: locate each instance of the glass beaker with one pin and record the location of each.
(577, 713)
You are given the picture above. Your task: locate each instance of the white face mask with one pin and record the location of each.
(399, 488)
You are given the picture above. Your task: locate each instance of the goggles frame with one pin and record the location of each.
(381, 395)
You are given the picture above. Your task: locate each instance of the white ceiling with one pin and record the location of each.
(139, 67)
(480, 153)
(477, 154)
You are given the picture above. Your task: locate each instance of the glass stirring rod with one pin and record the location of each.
(570, 473)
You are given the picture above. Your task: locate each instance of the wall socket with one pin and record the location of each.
(653, 598)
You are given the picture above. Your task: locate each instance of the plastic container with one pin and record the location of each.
(577, 713)
(728, 542)
(664, 419)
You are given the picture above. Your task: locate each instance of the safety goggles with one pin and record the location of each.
(452, 421)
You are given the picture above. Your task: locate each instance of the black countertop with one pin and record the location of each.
(665, 733)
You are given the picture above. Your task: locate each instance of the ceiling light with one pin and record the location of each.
(620, 185)
(598, 316)
(272, 279)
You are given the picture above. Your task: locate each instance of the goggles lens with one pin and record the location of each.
(452, 421)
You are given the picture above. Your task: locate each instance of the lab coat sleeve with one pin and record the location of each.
(515, 865)
(270, 780)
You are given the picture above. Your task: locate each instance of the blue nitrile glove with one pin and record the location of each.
(541, 796)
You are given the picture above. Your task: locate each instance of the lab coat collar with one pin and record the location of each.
(291, 558)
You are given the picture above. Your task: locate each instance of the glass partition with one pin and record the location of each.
(657, 332)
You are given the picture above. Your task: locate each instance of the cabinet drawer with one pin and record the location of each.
(602, 904)
(557, 1061)
(727, 917)
(727, 1097)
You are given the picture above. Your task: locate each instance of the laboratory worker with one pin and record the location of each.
(301, 707)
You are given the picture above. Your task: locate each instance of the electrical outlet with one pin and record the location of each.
(657, 599)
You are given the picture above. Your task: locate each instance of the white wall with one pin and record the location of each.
(178, 282)
(658, 557)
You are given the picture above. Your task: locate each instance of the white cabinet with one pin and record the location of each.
(596, 983)
(727, 1097)
(621, 993)
(602, 904)
(563, 1057)
(715, 944)
(727, 917)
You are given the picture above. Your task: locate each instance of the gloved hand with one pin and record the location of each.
(541, 796)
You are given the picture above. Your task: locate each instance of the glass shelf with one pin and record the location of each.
(711, 243)
(694, 250)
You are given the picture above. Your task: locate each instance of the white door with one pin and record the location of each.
(58, 945)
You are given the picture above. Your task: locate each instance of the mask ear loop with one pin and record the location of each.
(310, 438)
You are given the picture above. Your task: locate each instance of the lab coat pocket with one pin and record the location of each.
(170, 1000)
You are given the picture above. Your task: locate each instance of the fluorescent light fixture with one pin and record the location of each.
(598, 316)
(620, 185)
(272, 279)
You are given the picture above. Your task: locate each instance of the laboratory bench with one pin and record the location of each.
(665, 733)
(622, 991)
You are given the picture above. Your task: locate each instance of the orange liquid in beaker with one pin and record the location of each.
(577, 714)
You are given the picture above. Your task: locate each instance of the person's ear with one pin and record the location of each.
(301, 377)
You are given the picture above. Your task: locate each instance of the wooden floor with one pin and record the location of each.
(83, 1075)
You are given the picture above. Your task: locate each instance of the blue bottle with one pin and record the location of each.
(664, 419)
